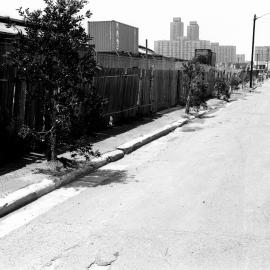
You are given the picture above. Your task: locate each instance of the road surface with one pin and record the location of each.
(198, 198)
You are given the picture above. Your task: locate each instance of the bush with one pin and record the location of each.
(199, 93)
(222, 89)
(195, 84)
(55, 50)
(235, 81)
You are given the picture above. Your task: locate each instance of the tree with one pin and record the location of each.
(244, 76)
(55, 51)
(235, 81)
(222, 88)
(195, 85)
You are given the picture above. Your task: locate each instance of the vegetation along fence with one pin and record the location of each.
(126, 93)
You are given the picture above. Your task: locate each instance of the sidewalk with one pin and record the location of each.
(26, 172)
(32, 173)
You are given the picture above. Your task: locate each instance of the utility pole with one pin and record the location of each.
(257, 66)
(252, 51)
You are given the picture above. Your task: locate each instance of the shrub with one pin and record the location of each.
(235, 81)
(55, 51)
(222, 88)
(195, 85)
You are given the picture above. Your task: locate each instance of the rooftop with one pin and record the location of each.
(16, 25)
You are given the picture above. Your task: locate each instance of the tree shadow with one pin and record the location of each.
(207, 116)
(233, 100)
(197, 121)
(129, 124)
(100, 177)
(191, 129)
(20, 163)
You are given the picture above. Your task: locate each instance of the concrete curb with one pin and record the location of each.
(30, 193)
(131, 146)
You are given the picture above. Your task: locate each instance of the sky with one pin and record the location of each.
(228, 22)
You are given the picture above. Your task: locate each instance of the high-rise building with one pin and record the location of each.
(193, 31)
(224, 54)
(240, 58)
(262, 53)
(184, 47)
(191, 45)
(177, 29)
(170, 48)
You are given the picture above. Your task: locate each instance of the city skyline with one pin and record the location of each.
(183, 46)
(227, 22)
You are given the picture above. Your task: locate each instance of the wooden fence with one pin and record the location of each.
(126, 93)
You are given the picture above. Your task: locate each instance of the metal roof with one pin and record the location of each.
(11, 30)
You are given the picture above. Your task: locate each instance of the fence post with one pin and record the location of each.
(178, 88)
(151, 89)
(21, 111)
(123, 88)
(139, 96)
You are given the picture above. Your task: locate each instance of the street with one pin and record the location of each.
(198, 198)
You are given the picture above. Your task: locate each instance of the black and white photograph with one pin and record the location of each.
(134, 135)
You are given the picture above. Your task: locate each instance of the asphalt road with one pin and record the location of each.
(198, 198)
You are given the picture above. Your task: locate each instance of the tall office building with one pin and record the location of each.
(262, 53)
(224, 54)
(177, 29)
(240, 58)
(183, 47)
(193, 31)
(191, 45)
(170, 48)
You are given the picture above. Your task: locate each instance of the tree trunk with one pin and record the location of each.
(53, 129)
(53, 144)
(188, 98)
(188, 102)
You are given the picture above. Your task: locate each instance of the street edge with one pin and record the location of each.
(32, 192)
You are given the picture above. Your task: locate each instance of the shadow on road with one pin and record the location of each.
(191, 129)
(207, 116)
(100, 178)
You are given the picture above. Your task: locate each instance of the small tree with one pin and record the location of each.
(222, 88)
(55, 51)
(244, 76)
(235, 81)
(195, 85)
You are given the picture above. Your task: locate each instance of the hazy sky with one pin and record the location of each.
(228, 22)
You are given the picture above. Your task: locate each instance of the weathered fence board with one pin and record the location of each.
(126, 93)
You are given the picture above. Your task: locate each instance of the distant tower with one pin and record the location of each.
(193, 31)
(177, 29)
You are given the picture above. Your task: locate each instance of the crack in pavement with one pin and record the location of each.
(54, 260)
(103, 261)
